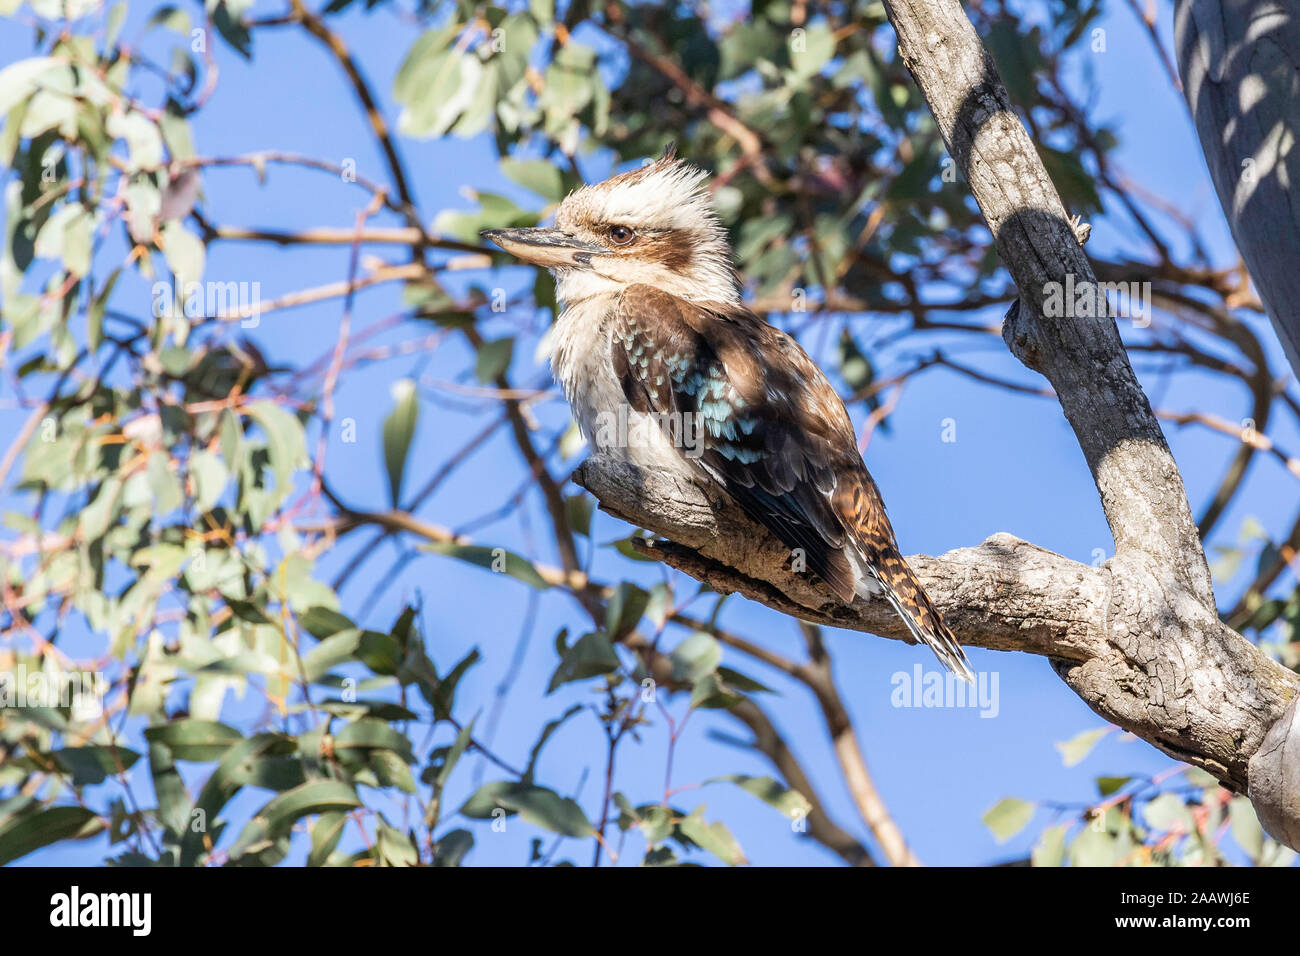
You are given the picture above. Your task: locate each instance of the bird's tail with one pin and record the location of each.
(897, 583)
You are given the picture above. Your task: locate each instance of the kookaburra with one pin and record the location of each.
(653, 332)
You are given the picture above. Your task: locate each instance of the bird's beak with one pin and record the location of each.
(549, 247)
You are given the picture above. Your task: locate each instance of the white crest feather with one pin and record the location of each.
(668, 196)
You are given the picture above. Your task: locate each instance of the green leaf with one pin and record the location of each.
(184, 252)
(1018, 56)
(590, 656)
(1050, 848)
(656, 823)
(163, 484)
(1108, 785)
(20, 80)
(1074, 182)
(172, 18)
(628, 815)
(91, 765)
(169, 789)
(1008, 817)
(735, 679)
(570, 82)
(660, 856)
(453, 755)
(231, 27)
(286, 444)
(480, 110)
(494, 559)
(24, 833)
(315, 796)
(192, 739)
(855, 366)
(77, 237)
(537, 175)
(415, 73)
(436, 82)
(710, 692)
(232, 439)
(98, 515)
(322, 622)
(811, 49)
(624, 610)
(239, 767)
(143, 139)
(1096, 848)
(391, 769)
(551, 727)
(399, 430)
(113, 24)
(790, 803)
(95, 314)
(325, 834)
(210, 477)
(1252, 531)
(336, 649)
(493, 359)
(578, 509)
(537, 805)
(713, 837)
(1168, 812)
(452, 847)
(1075, 749)
(370, 733)
(440, 693)
(695, 657)
(393, 848)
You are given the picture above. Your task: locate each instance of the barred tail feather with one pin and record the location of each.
(938, 638)
(918, 613)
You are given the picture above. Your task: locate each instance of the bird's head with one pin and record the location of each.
(653, 225)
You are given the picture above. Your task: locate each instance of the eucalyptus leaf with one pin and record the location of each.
(1008, 817)
(399, 430)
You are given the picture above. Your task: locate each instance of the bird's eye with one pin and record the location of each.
(621, 235)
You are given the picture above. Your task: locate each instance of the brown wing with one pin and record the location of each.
(776, 434)
(778, 438)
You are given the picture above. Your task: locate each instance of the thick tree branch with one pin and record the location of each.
(1162, 615)
(1081, 355)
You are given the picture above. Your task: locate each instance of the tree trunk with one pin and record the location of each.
(1240, 65)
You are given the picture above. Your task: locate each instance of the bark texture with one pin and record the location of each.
(1240, 65)
(1138, 638)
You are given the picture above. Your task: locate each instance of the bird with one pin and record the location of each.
(663, 366)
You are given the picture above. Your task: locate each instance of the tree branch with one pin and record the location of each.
(1167, 654)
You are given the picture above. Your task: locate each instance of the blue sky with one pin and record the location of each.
(1014, 467)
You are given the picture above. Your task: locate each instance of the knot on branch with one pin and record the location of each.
(1275, 778)
(1020, 332)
